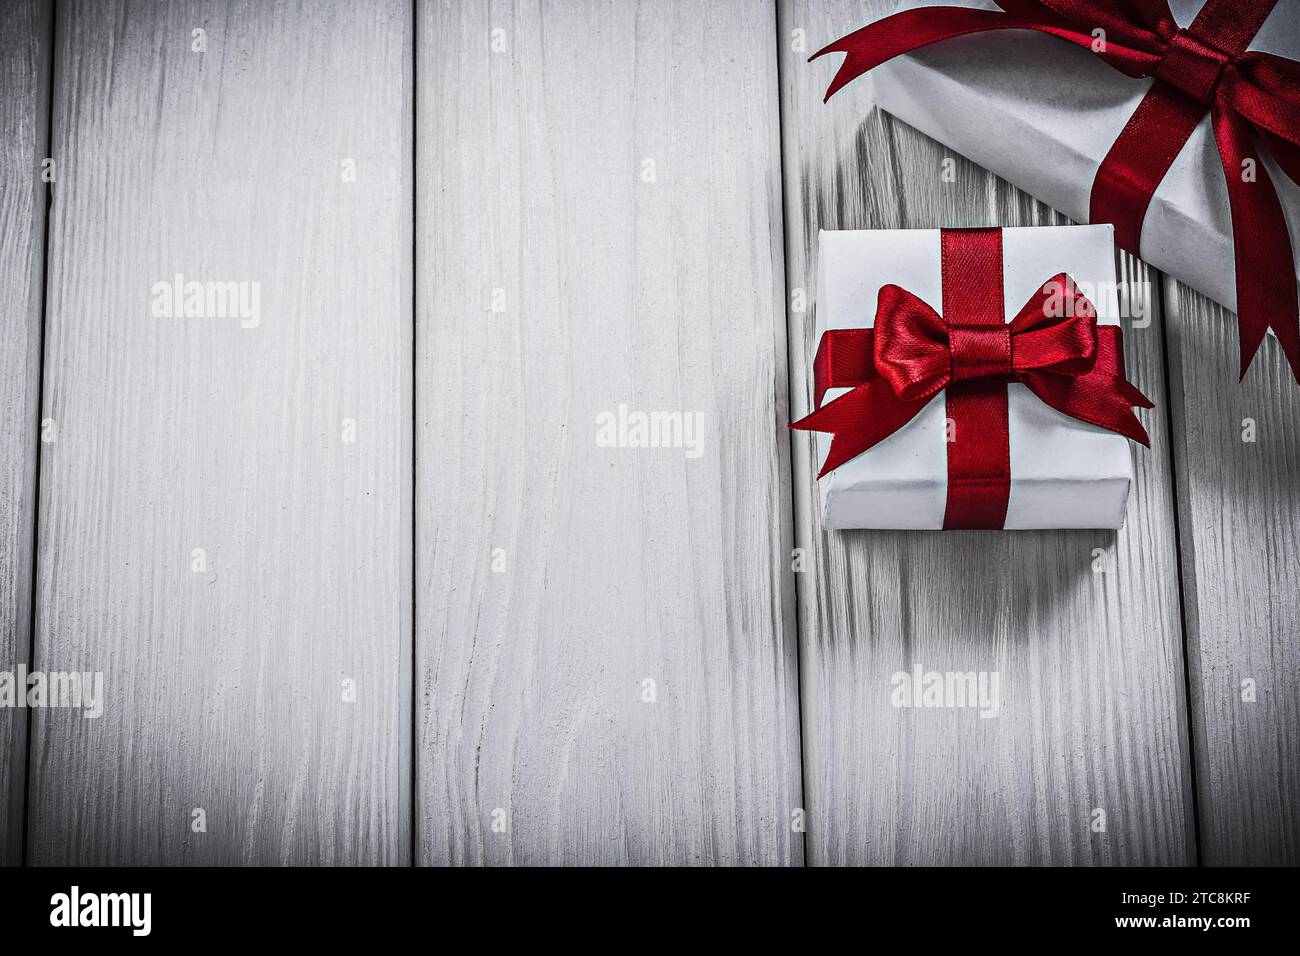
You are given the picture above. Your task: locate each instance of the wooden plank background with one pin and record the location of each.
(475, 227)
(25, 31)
(610, 182)
(1237, 454)
(225, 686)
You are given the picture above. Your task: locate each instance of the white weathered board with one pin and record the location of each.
(1082, 627)
(476, 226)
(605, 646)
(1237, 458)
(228, 671)
(24, 111)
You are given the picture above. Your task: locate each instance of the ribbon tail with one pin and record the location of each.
(1102, 400)
(903, 32)
(1131, 394)
(1266, 279)
(864, 417)
(1102, 395)
(910, 30)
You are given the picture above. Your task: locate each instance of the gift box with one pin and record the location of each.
(1181, 130)
(983, 369)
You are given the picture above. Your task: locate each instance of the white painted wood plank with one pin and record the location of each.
(1090, 664)
(224, 688)
(599, 222)
(1239, 510)
(24, 114)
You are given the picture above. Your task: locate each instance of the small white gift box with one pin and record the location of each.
(1064, 473)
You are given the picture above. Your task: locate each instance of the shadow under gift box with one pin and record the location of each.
(1064, 473)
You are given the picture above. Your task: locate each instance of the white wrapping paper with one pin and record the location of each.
(1064, 473)
(1042, 114)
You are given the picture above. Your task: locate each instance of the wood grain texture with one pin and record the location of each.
(224, 688)
(1239, 510)
(25, 30)
(1091, 664)
(556, 576)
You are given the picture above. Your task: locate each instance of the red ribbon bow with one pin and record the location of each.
(1250, 96)
(1053, 345)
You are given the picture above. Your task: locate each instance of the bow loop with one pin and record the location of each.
(920, 353)
(911, 345)
(1265, 90)
(1056, 330)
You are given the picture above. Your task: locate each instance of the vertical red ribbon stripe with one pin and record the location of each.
(979, 437)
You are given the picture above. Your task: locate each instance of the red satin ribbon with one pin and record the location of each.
(1251, 97)
(1053, 345)
(979, 343)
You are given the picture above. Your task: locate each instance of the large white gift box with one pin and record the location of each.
(1043, 113)
(1064, 473)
